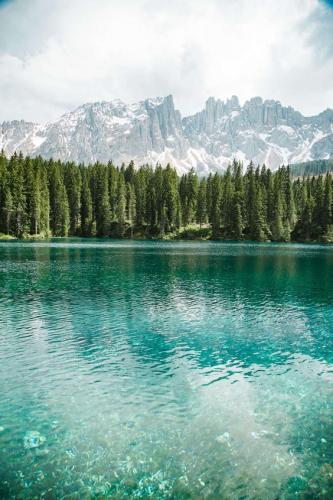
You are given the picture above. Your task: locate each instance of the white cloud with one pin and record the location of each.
(55, 55)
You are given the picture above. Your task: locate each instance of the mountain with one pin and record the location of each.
(153, 131)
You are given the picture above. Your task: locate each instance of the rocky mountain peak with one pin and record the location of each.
(152, 130)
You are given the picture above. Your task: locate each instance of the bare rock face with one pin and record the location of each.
(261, 131)
(153, 131)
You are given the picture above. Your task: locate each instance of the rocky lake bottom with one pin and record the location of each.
(166, 370)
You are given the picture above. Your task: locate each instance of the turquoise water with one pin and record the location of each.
(170, 370)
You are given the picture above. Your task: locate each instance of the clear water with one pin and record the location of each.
(170, 370)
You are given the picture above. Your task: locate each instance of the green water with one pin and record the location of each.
(166, 370)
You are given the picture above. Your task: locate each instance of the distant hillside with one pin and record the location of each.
(315, 167)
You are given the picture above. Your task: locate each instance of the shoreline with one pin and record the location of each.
(36, 239)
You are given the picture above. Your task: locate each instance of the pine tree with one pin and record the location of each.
(328, 203)
(277, 228)
(160, 200)
(18, 220)
(258, 228)
(209, 196)
(140, 186)
(129, 173)
(6, 211)
(102, 202)
(44, 222)
(6, 202)
(113, 179)
(227, 203)
(121, 205)
(188, 195)
(327, 211)
(86, 205)
(72, 179)
(215, 211)
(33, 196)
(36, 194)
(201, 215)
(170, 198)
(130, 205)
(58, 201)
(290, 201)
(151, 206)
(237, 223)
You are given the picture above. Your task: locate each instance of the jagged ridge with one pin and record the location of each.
(153, 130)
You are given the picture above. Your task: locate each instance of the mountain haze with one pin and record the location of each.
(153, 131)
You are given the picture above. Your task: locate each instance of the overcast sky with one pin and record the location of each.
(58, 54)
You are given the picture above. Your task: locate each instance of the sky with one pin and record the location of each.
(58, 54)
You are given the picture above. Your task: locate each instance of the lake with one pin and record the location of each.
(165, 369)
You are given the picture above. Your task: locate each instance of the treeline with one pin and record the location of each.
(313, 167)
(51, 198)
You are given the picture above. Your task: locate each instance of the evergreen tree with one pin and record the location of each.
(121, 204)
(237, 223)
(227, 203)
(102, 202)
(290, 201)
(36, 195)
(170, 198)
(258, 227)
(113, 179)
(33, 197)
(215, 210)
(129, 173)
(72, 178)
(130, 205)
(277, 228)
(140, 186)
(58, 201)
(6, 202)
(18, 219)
(86, 205)
(44, 222)
(188, 196)
(201, 215)
(6, 211)
(327, 203)
(151, 206)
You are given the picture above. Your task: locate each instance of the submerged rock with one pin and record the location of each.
(321, 484)
(42, 453)
(130, 483)
(33, 439)
(223, 438)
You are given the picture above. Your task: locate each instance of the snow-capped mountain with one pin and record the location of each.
(153, 131)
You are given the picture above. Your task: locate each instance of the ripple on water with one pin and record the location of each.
(170, 370)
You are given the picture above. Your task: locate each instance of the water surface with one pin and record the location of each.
(170, 370)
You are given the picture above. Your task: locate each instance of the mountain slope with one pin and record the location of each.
(153, 130)
(315, 167)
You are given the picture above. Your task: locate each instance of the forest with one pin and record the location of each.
(313, 167)
(47, 198)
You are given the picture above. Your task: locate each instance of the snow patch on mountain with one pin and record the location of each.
(153, 131)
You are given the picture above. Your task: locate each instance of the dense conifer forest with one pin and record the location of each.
(50, 198)
(313, 167)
